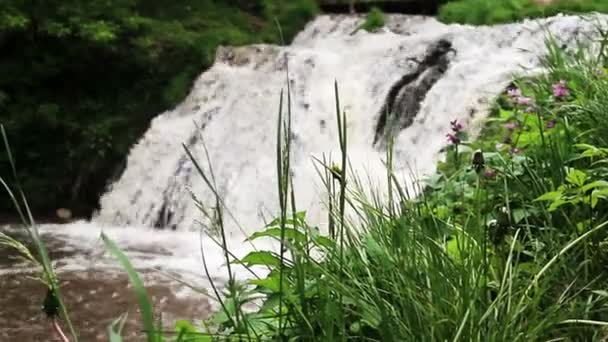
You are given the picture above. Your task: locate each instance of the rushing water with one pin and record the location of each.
(429, 73)
(423, 73)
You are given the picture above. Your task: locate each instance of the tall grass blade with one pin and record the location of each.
(145, 306)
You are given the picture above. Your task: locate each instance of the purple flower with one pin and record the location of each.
(489, 173)
(524, 101)
(514, 92)
(453, 139)
(550, 124)
(516, 151)
(511, 125)
(560, 89)
(456, 126)
(518, 98)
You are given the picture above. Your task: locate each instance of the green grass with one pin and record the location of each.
(488, 12)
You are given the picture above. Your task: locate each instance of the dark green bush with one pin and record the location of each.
(80, 80)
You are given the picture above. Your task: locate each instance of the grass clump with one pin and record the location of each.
(488, 12)
(374, 20)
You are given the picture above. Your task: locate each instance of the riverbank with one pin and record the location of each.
(95, 290)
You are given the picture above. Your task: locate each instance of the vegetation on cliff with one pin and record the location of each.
(488, 12)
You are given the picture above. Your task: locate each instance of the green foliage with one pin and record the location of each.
(374, 21)
(512, 230)
(80, 80)
(487, 12)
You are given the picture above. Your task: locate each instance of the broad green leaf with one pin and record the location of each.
(520, 214)
(322, 241)
(558, 203)
(576, 177)
(596, 195)
(183, 325)
(374, 249)
(290, 233)
(550, 196)
(527, 267)
(434, 181)
(221, 317)
(271, 283)
(594, 200)
(262, 258)
(506, 114)
(300, 218)
(594, 185)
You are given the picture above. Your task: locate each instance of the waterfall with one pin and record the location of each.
(408, 80)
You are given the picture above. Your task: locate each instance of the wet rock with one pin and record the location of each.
(64, 214)
(405, 97)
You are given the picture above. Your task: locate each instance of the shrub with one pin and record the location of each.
(150, 52)
(374, 21)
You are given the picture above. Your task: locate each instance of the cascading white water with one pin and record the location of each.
(234, 105)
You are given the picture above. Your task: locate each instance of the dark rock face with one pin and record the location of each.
(403, 100)
(428, 7)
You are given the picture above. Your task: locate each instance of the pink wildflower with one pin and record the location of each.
(489, 173)
(453, 139)
(511, 125)
(519, 99)
(456, 126)
(560, 89)
(514, 92)
(524, 101)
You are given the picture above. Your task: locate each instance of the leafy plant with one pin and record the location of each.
(374, 20)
